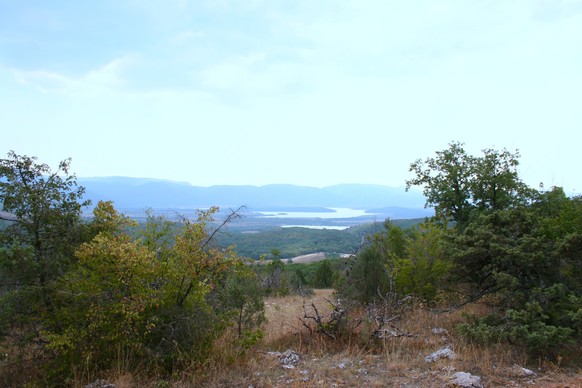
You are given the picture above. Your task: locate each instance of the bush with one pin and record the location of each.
(126, 305)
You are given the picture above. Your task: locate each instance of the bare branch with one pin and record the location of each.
(234, 214)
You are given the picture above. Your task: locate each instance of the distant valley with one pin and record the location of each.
(269, 205)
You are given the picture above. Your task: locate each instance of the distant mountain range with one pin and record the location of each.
(142, 193)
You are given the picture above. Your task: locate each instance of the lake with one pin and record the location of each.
(334, 227)
(337, 213)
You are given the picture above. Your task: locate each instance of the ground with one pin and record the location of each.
(289, 355)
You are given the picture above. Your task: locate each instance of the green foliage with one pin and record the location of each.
(369, 279)
(36, 250)
(46, 204)
(423, 268)
(291, 242)
(242, 294)
(447, 182)
(458, 184)
(496, 184)
(305, 276)
(324, 276)
(544, 325)
(159, 303)
(503, 251)
(401, 263)
(517, 255)
(89, 296)
(532, 327)
(105, 304)
(521, 246)
(275, 281)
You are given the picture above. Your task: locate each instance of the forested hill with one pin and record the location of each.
(139, 193)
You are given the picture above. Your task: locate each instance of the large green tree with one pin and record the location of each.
(446, 180)
(495, 184)
(457, 184)
(39, 245)
(519, 247)
(36, 249)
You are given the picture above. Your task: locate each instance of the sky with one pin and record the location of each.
(306, 92)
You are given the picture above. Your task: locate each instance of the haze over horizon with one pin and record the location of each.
(277, 92)
(146, 179)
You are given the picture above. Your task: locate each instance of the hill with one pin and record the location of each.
(141, 193)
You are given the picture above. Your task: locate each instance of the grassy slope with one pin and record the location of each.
(357, 360)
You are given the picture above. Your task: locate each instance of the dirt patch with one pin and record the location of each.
(303, 259)
(396, 361)
(310, 258)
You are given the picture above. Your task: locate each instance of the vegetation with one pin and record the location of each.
(293, 242)
(81, 299)
(459, 185)
(495, 238)
(492, 240)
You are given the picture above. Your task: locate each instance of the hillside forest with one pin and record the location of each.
(83, 296)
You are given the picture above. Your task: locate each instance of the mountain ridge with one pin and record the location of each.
(141, 193)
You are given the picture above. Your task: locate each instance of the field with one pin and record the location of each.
(290, 356)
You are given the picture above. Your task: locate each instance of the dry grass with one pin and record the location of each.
(357, 360)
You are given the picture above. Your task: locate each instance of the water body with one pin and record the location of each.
(338, 212)
(335, 227)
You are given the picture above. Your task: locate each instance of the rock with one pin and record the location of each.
(439, 331)
(442, 353)
(287, 359)
(523, 372)
(464, 379)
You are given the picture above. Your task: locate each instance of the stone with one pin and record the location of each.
(100, 384)
(464, 379)
(439, 331)
(442, 353)
(287, 359)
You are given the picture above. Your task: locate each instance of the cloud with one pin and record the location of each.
(232, 73)
(107, 78)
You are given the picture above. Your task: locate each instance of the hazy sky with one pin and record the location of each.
(310, 92)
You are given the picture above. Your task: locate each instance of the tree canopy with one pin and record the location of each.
(519, 247)
(80, 295)
(458, 184)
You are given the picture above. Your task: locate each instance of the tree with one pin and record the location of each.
(423, 270)
(519, 247)
(369, 279)
(139, 300)
(275, 281)
(47, 206)
(447, 181)
(503, 251)
(107, 306)
(242, 293)
(191, 315)
(83, 297)
(323, 277)
(527, 260)
(37, 249)
(496, 184)
(458, 184)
